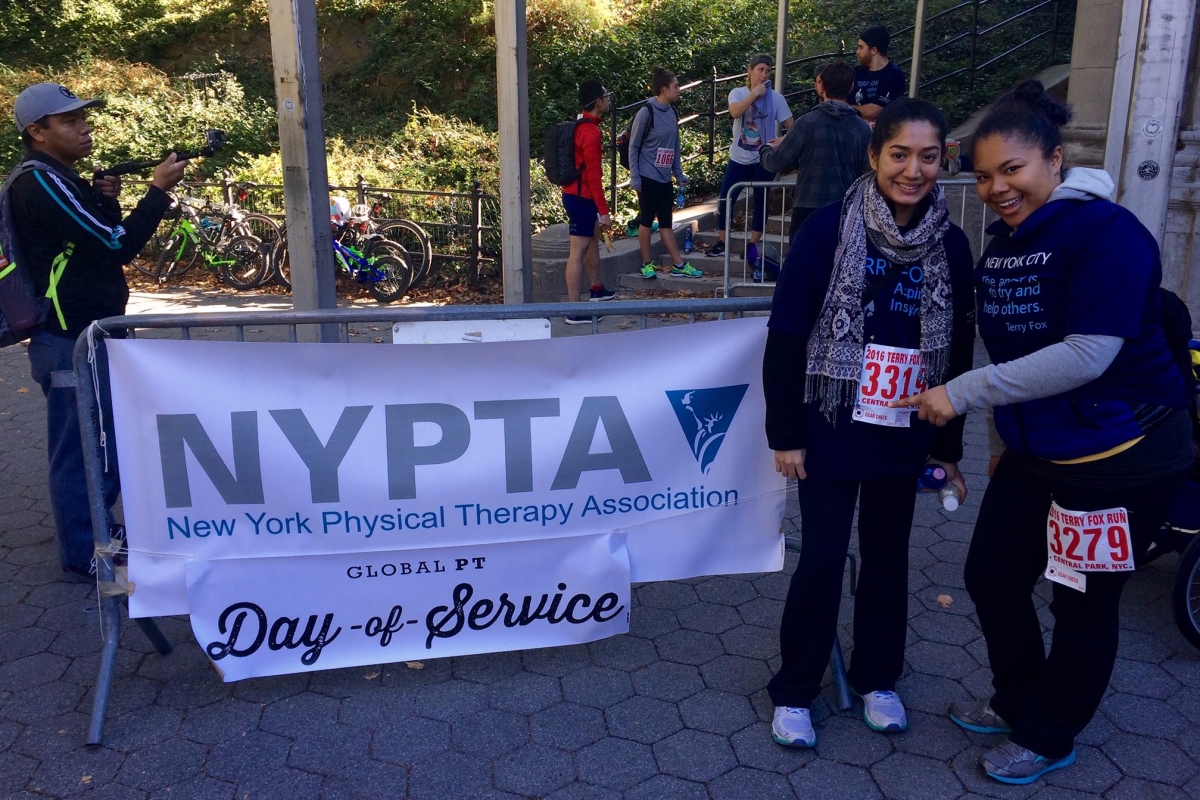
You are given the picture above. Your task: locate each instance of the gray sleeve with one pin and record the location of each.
(1071, 363)
(637, 132)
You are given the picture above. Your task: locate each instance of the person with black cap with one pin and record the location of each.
(877, 81)
(74, 244)
(757, 111)
(587, 209)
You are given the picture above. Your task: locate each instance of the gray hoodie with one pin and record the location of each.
(654, 150)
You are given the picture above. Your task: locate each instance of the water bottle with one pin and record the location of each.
(950, 497)
(687, 239)
(679, 198)
(933, 479)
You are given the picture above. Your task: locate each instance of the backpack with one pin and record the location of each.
(558, 154)
(22, 312)
(1177, 330)
(623, 136)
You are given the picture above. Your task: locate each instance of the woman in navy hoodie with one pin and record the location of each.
(873, 303)
(1092, 412)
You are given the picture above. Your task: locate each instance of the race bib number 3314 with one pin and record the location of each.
(888, 373)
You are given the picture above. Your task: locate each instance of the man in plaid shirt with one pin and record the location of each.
(827, 146)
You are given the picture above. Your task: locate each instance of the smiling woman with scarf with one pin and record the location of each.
(874, 303)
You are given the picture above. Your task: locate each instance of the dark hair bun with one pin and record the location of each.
(656, 71)
(1033, 92)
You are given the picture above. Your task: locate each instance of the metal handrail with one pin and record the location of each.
(972, 33)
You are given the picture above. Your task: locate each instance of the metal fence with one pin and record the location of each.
(965, 208)
(462, 226)
(237, 324)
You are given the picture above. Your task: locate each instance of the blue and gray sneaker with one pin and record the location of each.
(977, 717)
(883, 711)
(1011, 763)
(686, 270)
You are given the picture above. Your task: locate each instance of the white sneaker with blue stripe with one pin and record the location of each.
(792, 727)
(883, 711)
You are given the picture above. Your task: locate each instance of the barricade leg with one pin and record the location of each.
(837, 665)
(110, 601)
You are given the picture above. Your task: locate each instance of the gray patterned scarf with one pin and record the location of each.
(835, 347)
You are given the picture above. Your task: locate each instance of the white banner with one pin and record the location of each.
(271, 616)
(249, 450)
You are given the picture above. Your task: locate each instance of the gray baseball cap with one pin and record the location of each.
(43, 99)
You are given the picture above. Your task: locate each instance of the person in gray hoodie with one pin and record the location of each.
(827, 146)
(654, 157)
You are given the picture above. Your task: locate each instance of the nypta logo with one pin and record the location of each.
(705, 416)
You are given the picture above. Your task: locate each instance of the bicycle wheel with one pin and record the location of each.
(415, 241)
(281, 265)
(392, 262)
(260, 226)
(178, 255)
(243, 262)
(1186, 597)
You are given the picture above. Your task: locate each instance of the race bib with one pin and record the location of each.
(665, 157)
(888, 374)
(1078, 542)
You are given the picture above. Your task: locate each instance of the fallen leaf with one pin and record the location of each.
(378, 340)
(86, 779)
(414, 665)
(945, 600)
(22, 390)
(373, 674)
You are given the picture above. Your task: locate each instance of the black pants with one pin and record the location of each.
(885, 512)
(1048, 700)
(798, 216)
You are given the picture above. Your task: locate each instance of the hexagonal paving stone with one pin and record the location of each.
(624, 653)
(1093, 772)
(735, 674)
(904, 776)
(849, 740)
(410, 741)
(742, 782)
(666, 594)
(450, 775)
(665, 787)
(567, 726)
(281, 784)
(300, 713)
(708, 617)
(330, 751)
(49, 699)
(52, 736)
(15, 770)
(367, 780)
(198, 788)
(74, 771)
(557, 662)
(379, 709)
(615, 763)
(597, 687)
(943, 660)
(717, 712)
(490, 733)
(239, 759)
(1152, 759)
(643, 719)
(945, 628)
(931, 735)
(764, 612)
(689, 647)
(534, 770)
(666, 680)
(451, 700)
(649, 623)
(26, 673)
(829, 779)
(751, 641)
(141, 728)
(526, 693)
(1142, 679)
(755, 748)
(694, 755)
(725, 590)
(162, 764)
(1142, 715)
(487, 667)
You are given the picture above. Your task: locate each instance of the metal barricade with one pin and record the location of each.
(111, 592)
(964, 206)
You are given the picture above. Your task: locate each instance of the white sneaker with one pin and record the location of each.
(883, 711)
(792, 727)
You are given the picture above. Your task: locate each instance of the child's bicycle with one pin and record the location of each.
(406, 233)
(367, 258)
(224, 238)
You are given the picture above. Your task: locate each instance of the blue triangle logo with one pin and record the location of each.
(705, 415)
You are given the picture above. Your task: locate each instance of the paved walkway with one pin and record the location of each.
(676, 708)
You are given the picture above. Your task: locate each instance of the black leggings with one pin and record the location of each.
(1048, 700)
(885, 512)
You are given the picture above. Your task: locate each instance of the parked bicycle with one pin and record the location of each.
(224, 238)
(364, 257)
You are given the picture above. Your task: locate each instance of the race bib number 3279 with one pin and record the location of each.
(1089, 541)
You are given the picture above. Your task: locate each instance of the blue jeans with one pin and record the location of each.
(50, 359)
(737, 173)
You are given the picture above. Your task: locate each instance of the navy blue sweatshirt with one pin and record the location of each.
(1078, 267)
(848, 449)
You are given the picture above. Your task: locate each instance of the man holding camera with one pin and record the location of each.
(74, 244)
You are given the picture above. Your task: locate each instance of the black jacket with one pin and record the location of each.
(828, 148)
(57, 213)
